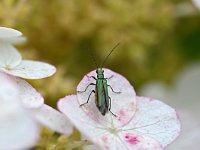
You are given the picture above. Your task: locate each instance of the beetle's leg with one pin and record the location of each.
(110, 109)
(91, 77)
(86, 88)
(109, 77)
(93, 91)
(113, 90)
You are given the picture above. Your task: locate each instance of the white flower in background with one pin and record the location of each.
(11, 61)
(140, 122)
(44, 114)
(196, 3)
(184, 94)
(17, 130)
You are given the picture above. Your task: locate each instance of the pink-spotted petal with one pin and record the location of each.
(8, 33)
(105, 137)
(127, 141)
(70, 107)
(155, 119)
(32, 70)
(9, 56)
(123, 104)
(53, 119)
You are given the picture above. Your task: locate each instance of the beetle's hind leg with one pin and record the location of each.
(110, 109)
(113, 90)
(93, 91)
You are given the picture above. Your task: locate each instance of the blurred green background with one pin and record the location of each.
(158, 38)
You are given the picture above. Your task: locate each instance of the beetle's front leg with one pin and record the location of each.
(91, 77)
(86, 88)
(109, 77)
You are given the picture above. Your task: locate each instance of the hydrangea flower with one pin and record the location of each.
(184, 95)
(17, 129)
(30, 100)
(141, 123)
(22, 113)
(11, 61)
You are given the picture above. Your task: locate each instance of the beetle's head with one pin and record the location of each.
(100, 72)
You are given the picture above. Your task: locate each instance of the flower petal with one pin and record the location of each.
(190, 132)
(15, 123)
(53, 119)
(8, 33)
(9, 57)
(100, 135)
(123, 104)
(17, 130)
(8, 89)
(70, 107)
(128, 141)
(156, 120)
(32, 70)
(29, 97)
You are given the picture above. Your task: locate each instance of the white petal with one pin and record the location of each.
(70, 107)
(123, 104)
(8, 88)
(17, 130)
(15, 40)
(127, 141)
(53, 119)
(28, 95)
(32, 70)
(9, 56)
(190, 132)
(8, 33)
(100, 135)
(155, 119)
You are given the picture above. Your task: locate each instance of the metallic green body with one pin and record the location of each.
(101, 93)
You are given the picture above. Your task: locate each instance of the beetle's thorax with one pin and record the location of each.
(100, 73)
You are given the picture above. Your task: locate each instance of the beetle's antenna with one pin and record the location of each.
(110, 54)
(93, 58)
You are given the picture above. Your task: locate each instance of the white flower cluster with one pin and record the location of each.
(22, 108)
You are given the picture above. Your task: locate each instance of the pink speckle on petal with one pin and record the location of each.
(177, 115)
(105, 139)
(121, 112)
(131, 139)
(121, 115)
